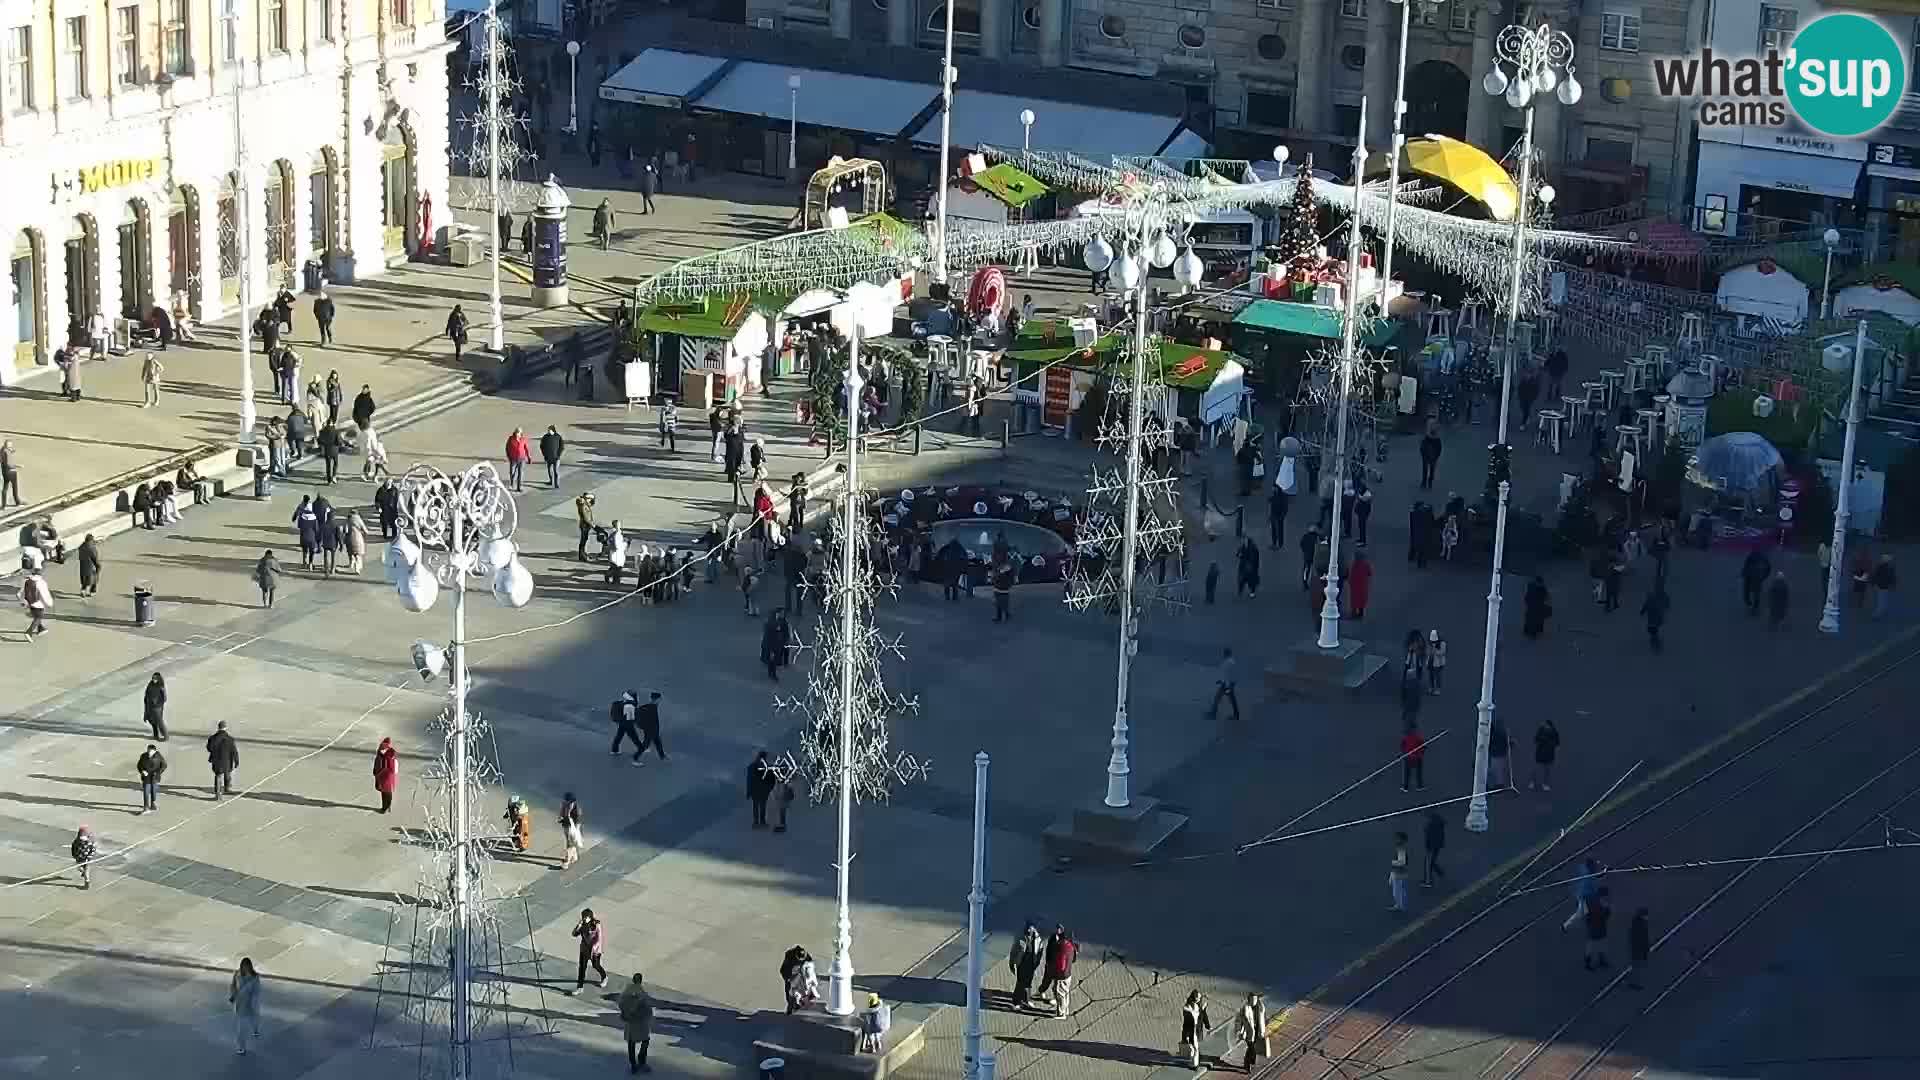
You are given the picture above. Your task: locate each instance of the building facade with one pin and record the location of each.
(154, 146)
(1261, 72)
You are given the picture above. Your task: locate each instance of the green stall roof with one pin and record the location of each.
(1010, 185)
(1313, 320)
(1034, 349)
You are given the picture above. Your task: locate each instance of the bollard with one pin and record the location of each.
(916, 440)
(262, 481)
(1006, 434)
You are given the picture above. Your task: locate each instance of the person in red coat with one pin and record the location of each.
(386, 773)
(519, 452)
(1359, 583)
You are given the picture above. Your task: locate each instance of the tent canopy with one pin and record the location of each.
(1313, 320)
(1010, 185)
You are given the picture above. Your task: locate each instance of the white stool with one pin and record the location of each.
(1551, 320)
(1628, 437)
(1439, 324)
(1574, 409)
(1692, 330)
(1636, 376)
(1546, 431)
(1610, 380)
(1469, 321)
(1657, 358)
(1710, 366)
(1649, 425)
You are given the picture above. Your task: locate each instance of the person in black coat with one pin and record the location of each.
(89, 566)
(1429, 455)
(736, 456)
(1754, 573)
(323, 315)
(1777, 600)
(773, 643)
(1436, 839)
(1538, 607)
(363, 407)
(1556, 373)
(953, 562)
(551, 446)
(1655, 609)
(333, 541)
(1420, 532)
(387, 502)
(154, 706)
(1248, 580)
(299, 430)
(1277, 501)
(143, 507)
(761, 780)
(223, 757)
(457, 329)
(283, 310)
(307, 522)
(330, 451)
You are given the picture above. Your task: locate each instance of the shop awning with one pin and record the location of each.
(1089, 130)
(1832, 177)
(1312, 320)
(660, 77)
(826, 99)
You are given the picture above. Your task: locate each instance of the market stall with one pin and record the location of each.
(1052, 375)
(707, 350)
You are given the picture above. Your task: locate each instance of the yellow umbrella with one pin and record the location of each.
(1461, 165)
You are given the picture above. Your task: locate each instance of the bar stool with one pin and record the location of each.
(1523, 336)
(1636, 377)
(1610, 380)
(1692, 330)
(1657, 357)
(1574, 409)
(1649, 425)
(1551, 319)
(1710, 366)
(1596, 395)
(1628, 437)
(1440, 324)
(1469, 321)
(1546, 431)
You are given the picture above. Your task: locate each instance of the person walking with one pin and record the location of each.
(1546, 746)
(583, 515)
(798, 979)
(37, 597)
(243, 993)
(1883, 581)
(1413, 755)
(1194, 1025)
(363, 407)
(150, 767)
(386, 773)
(669, 421)
(761, 781)
(593, 943)
(625, 712)
(356, 542)
(1223, 687)
(323, 316)
(734, 449)
(153, 706)
(9, 474)
(329, 442)
(266, 575)
(1585, 884)
(1654, 608)
(1247, 579)
(1612, 571)
(386, 502)
(1360, 583)
(1777, 600)
(333, 540)
(1397, 873)
(1599, 913)
(1023, 960)
(223, 757)
(1538, 607)
(570, 838)
(551, 446)
(1556, 367)
(603, 224)
(457, 330)
(648, 719)
(1754, 572)
(84, 852)
(150, 371)
(774, 638)
(1434, 835)
(1429, 455)
(1003, 576)
(649, 183)
(1277, 500)
(1499, 757)
(1060, 954)
(68, 360)
(1250, 1028)
(1436, 662)
(636, 1023)
(336, 396)
(518, 454)
(1639, 946)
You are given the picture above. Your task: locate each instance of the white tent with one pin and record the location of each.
(1763, 290)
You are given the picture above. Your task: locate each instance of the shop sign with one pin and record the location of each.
(106, 176)
(639, 97)
(1900, 157)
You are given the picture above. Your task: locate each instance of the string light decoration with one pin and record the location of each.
(1300, 236)
(491, 82)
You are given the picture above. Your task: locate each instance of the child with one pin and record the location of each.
(1436, 661)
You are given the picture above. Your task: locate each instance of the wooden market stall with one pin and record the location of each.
(1208, 385)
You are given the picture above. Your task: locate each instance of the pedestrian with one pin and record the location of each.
(1499, 757)
(526, 235)
(1213, 580)
(223, 757)
(1413, 691)
(9, 474)
(68, 361)
(551, 445)
(386, 501)
(1413, 756)
(150, 767)
(636, 1023)
(783, 797)
(649, 183)
(1362, 503)
(89, 558)
(1277, 500)
(1023, 960)
(774, 638)
(1397, 873)
(518, 454)
(243, 993)
(1610, 578)
(1360, 582)
(520, 818)
(570, 838)
(266, 575)
(1546, 746)
(153, 707)
(603, 224)
(583, 515)
(84, 852)
(323, 316)
(1538, 607)
(1435, 838)
(648, 719)
(1429, 455)
(1599, 912)
(504, 223)
(1777, 600)
(141, 506)
(1556, 373)
(336, 396)
(1654, 607)
(363, 407)
(37, 597)
(614, 547)
(333, 539)
(875, 1021)
(386, 773)
(1058, 976)
(798, 979)
(1639, 945)
(1194, 1025)
(734, 447)
(593, 943)
(762, 779)
(1247, 579)
(329, 441)
(150, 371)
(1436, 662)
(1585, 884)
(669, 423)
(457, 330)
(373, 464)
(1883, 582)
(1250, 1027)
(355, 533)
(1823, 555)
(1223, 687)
(1003, 576)
(625, 714)
(1754, 572)
(283, 311)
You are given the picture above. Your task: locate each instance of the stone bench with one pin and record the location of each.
(817, 1045)
(96, 508)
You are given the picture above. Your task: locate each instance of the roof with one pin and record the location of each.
(658, 74)
(1312, 320)
(1092, 131)
(1034, 347)
(882, 107)
(714, 317)
(1010, 185)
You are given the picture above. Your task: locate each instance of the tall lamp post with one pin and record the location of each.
(947, 75)
(840, 971)
(454, 528)
(1843, 501)
(243, 247)
(497, 328)
(1029, 259)
(1330, 611)
(1399, 139)
(1542, 59)
(793, 123)
(1832, 239)
(573, 87)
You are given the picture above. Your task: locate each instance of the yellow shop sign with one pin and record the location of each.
(113, 174)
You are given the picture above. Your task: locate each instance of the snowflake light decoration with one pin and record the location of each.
(876, 766)
(1370, 414)
(493, 111)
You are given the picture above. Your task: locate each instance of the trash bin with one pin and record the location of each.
(312, 275)
(262, 481)
(773, 1068)
(143, 605)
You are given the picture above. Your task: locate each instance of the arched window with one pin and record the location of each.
(279, 199)
(966, 19)
(229, 229)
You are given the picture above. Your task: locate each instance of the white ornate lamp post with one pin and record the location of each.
(793, 124)
(947, 77)
(1330, 611)
(1542, 59)
(453, 528)
(1399, 139)
(1832, 239)
(1030, 258)
(243, 246)
(573, 87)
(497, 323)
(1843, 499)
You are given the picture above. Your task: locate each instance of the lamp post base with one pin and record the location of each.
(1320, 674)
(1477, 814)
(1102, 833)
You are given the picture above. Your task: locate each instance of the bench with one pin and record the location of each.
(96, 508)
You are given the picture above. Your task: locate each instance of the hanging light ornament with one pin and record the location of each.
(1097, 255)
(512, 584)
(419, 589)
(1569, 91)
(1495, 83)
(1520, 92)
(1188, 269)
(1129, 271)
(1164, 252)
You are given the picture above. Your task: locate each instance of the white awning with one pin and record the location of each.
(1724, 167)
(1090, 131)
(660, 77)
(825, 98)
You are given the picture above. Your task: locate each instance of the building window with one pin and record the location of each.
(76, 45)
(1270, 3)
(1714, 218)
(1777, 25)
(126, 44)
(20, 69)
(227, 214)
(966, 20)
(1609, 151)
(1354, 57)
(1353, 9)
(179, 46)
(1346, 120)
(1620, 31)
(1426, 14)
(328, 16)
(1113, 27)
(277, 26)
(1460, 15)
(1269, 109)
(230, 30)
(1270, 46)
(1616, 90)
(401, 13)
(1030, 17)
(1192, 37)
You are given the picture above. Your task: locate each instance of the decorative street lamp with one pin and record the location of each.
(1330, 611)
(793, 122)
(947, 76)
(1843, 501)
(573, 87)
(1542, 59)
(453, 528)
(1030, 259)
(1399, 139)
(244, 247)
(1832, 239)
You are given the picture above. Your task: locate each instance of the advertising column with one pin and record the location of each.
(550, 245)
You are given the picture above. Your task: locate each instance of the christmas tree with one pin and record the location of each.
(1300, 237)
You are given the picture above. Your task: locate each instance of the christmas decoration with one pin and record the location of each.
(1300, 236)
(494, 90)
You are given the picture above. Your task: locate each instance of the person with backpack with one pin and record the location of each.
(84, 852)
(457, 330)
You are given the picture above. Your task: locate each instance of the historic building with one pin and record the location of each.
(138, 139)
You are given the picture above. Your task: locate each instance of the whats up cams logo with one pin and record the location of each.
(1842, 76)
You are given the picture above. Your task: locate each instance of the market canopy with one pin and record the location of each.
(1313, 320)
(827, 99)
(1008, 184)
(1047, 341)
(1461, 165)
(661, 77)
(1093, 131)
